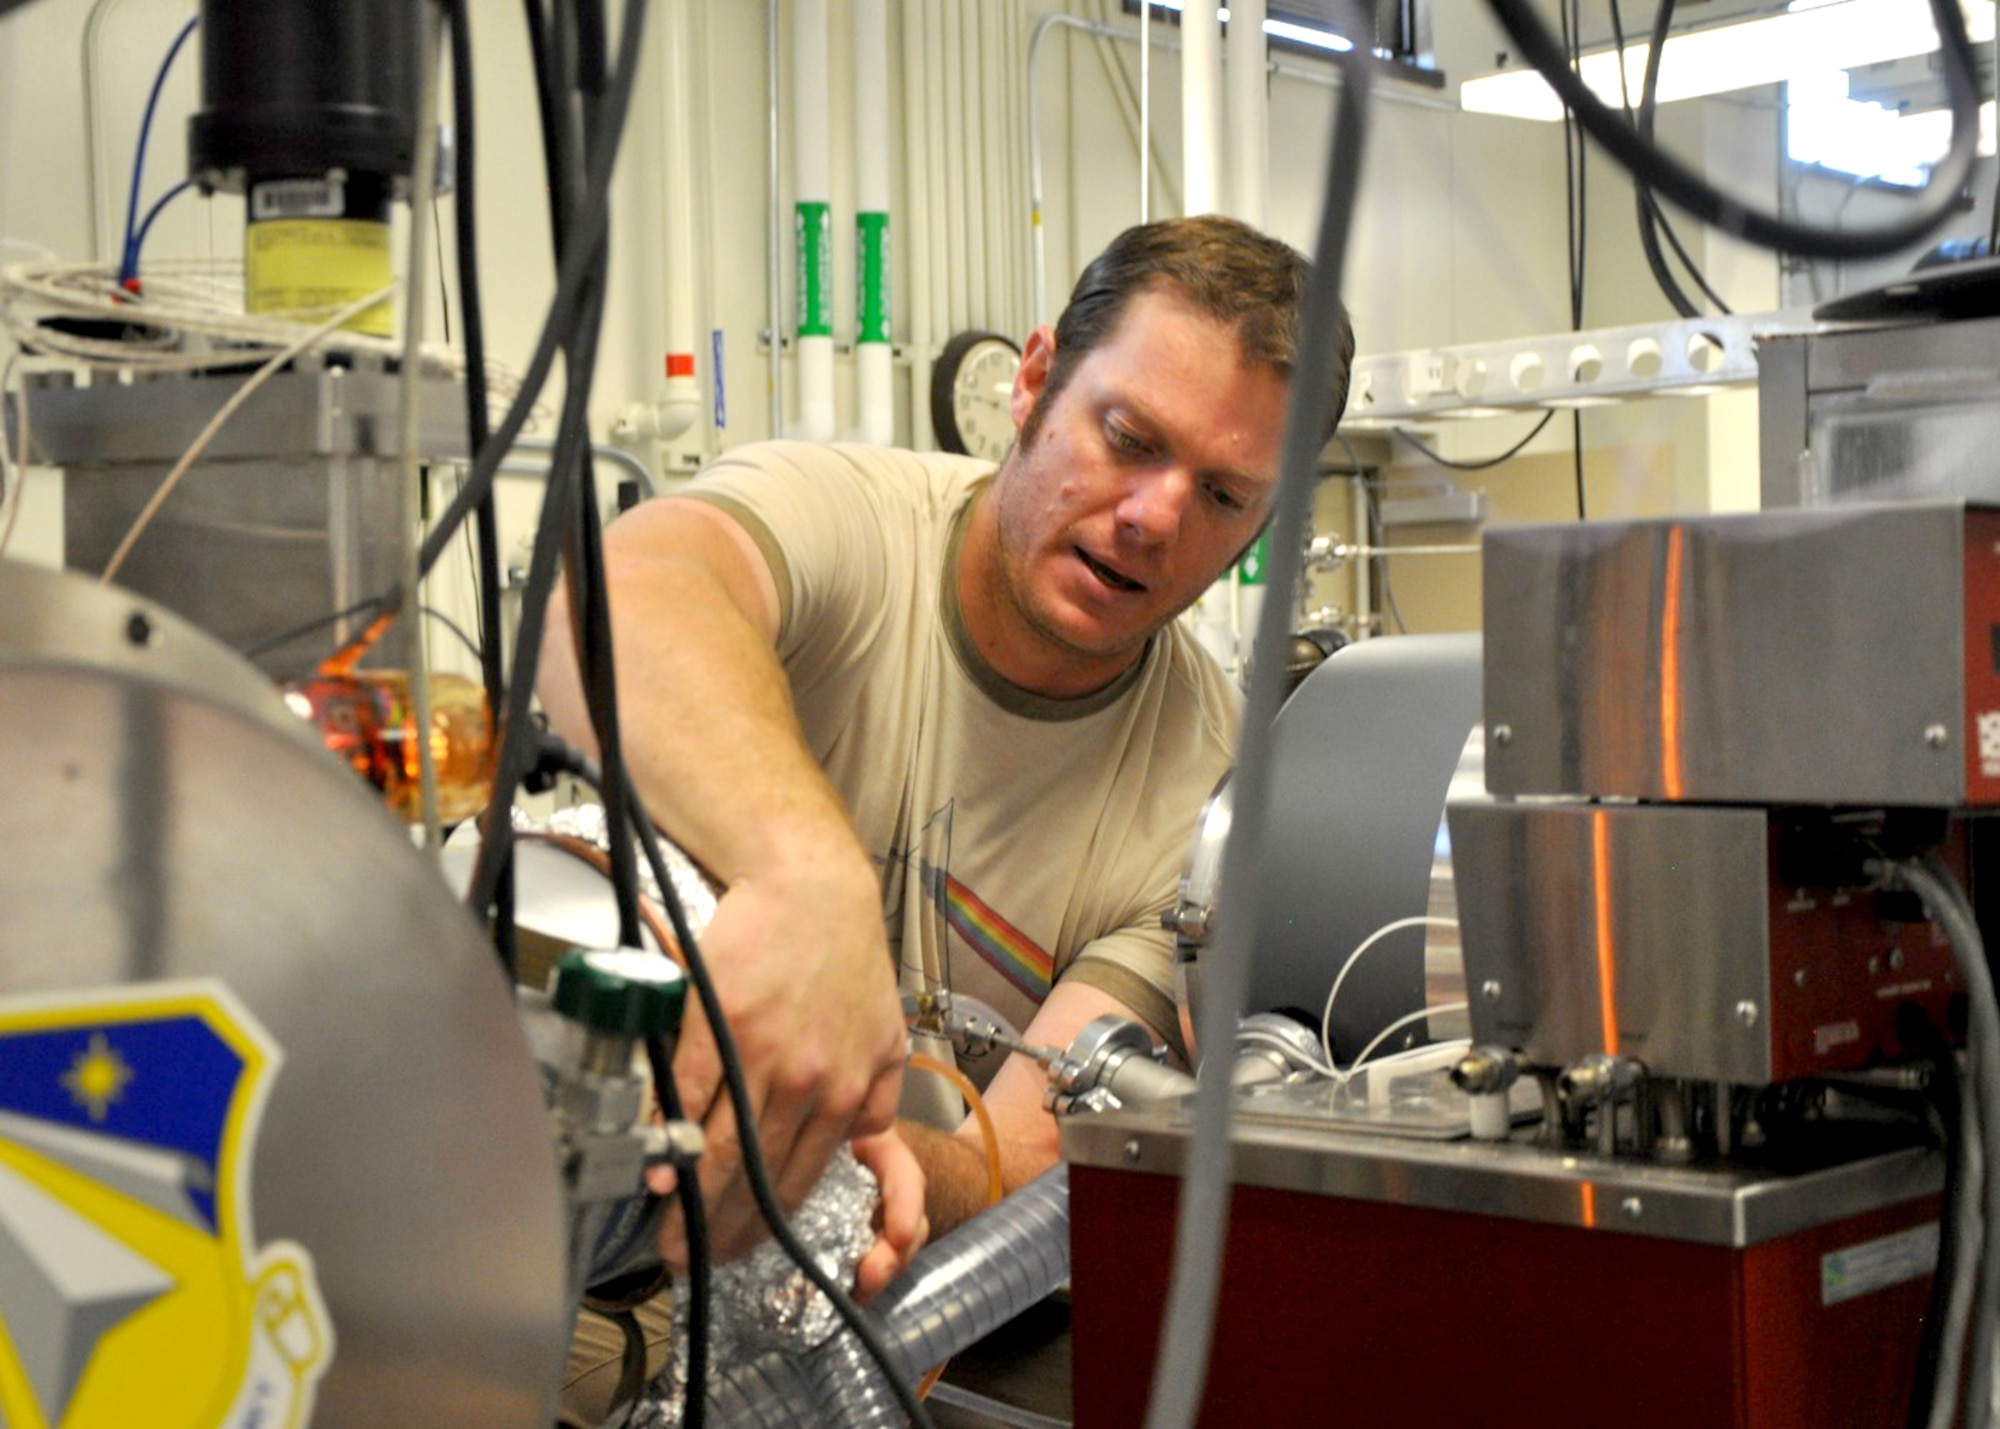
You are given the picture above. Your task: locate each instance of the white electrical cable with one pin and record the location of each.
(423, 189)
(225, 412)
(14, 487)
(194, 308)
(1397, 1026)
(1326, 1017)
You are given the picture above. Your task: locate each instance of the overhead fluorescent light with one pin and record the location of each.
(1825, 127)
(1773, 50)
(1282, 30)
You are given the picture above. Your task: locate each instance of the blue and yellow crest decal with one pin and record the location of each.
(132, 1290)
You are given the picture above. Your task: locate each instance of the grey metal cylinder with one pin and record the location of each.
(1365, 751)
(234, 995)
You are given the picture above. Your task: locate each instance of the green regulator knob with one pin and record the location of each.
(620, 990)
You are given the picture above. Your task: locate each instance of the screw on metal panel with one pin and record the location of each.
(139, 628)
(1503, 734)
(1799, 978)
(1936, 736)
(1132, 1152)
(1632, 1208)
(1490, 989)
(1896, 960)
(1746, 1013)
(1874, 966)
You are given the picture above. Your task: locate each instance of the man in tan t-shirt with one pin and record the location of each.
(838, 665)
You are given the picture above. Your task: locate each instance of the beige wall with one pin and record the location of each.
(1459, 237)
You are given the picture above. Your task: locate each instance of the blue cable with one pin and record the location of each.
(129, 266)
(146, 225)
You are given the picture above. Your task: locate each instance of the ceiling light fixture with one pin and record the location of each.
(1806, 38)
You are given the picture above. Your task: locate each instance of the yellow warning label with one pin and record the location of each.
(304, 268)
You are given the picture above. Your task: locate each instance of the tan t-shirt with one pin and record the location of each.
(1021, 839)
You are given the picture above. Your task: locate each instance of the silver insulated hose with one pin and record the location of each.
(958, 1290)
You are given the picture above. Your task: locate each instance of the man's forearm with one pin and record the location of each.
(956, 1179)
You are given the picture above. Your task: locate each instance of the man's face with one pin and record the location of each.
(1134, 488)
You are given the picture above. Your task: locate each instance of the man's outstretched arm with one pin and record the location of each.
(796, 946)
(954, 1163)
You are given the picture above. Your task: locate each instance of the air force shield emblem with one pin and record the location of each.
(132, 1289)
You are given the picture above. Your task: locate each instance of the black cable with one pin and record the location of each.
(1379, 562)
(1572, 179)
(573, 272)
(754, 1170)
(454, 627)
(631, 1362)
(1484, 462)
(1993, 226)
(590, 602)
(1653, 221)
(1648, 211)
(1576, 440)
(472, 319)
(574, 310)
(550, 85)
(694, 1406)
(589, 592)
(591, 615)
(1661, 171)
(478, 427)
(517, 741)
(1579, 211)
(373, 605)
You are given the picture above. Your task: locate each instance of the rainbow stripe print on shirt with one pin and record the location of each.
(1013, 954)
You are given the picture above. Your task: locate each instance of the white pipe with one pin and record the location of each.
(993, 119)
(953, 194)
(945, 275)
(774, 248)
(679, 405)
(423, 190)
(1021, 316)
(812, 198)
(917, 139)
(968, 208)
(1201, 91)
(1145, 110)
(874, 375)
(1249, 111)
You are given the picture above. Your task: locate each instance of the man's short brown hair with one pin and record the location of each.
(1247, 280)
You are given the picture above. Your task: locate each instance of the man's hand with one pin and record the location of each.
(903, 1227)
(821, 1045)
(796, 947)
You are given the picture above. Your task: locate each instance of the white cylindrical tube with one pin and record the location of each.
(874, 370)
(1249, 111)
(681, 405)
(1201, 92)
(812, 233)
(918, 220)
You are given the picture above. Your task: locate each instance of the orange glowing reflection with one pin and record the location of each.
(1600, 879)
(1589, 1189)
(1670, 667)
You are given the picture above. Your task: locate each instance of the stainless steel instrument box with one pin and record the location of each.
(295, 511)
(1667, 934)
(1838, 656)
